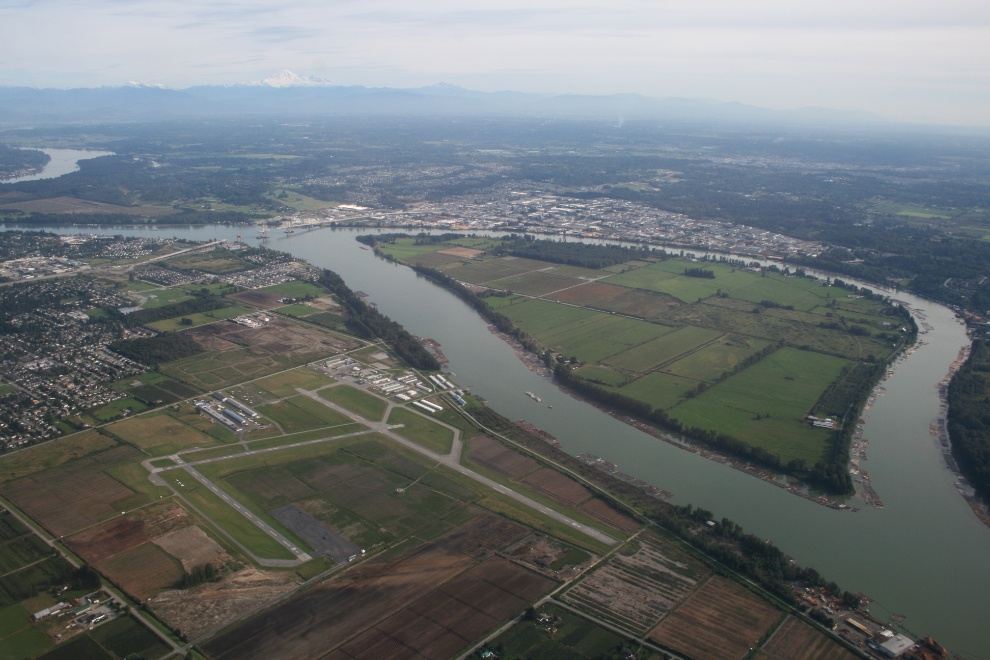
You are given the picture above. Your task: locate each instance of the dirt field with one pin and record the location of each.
(98, 543)
(201, 609)
(68, 499)
(449, 619)
(76, 205)
(587, 294)
(558, 487)
(496, 456)
(142, 571)
(462, 252)
(606, 513)
(721, 621)
(635, 591)
(238, 352)
(795, 640)
(323, 618)
(640, 303)
(191, 546)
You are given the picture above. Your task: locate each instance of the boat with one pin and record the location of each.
(534, 397)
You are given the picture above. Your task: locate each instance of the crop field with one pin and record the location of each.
(75, 496)
(17, 638)
(635, 302)
(325, 617)
(360, 403)
(251, 352)
(782, 388)
(422, 431)
(498, 302)
(496, 456)
(666, 347)
(588, 294)
(52, 454)
(536, 316)
(157, 434)
(526, 264)
(712, 361)
(659, 389)
(606, 513)
(535, 283)
(80, 648)
(721, 621)
(21, 552)
(142, 571)
(796, 640)
(771, 327)
(636, 590)
(34, 579)
(480, 272)
(558, 487)
(595, 338)
(430, 259)
(576, 638)
(77, 205)
(125, 637)
(603, 376)
(576, 271)
(445, 622)
(171, 325)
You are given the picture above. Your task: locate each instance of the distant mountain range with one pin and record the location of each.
(288, 94)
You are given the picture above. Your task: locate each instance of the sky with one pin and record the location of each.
(926, 62)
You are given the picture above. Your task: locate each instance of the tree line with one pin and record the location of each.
(969, 417)
(152, 351)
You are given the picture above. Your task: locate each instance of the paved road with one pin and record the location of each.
(189, 468)
(452, 460)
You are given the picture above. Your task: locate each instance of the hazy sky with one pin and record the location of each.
(906, 60)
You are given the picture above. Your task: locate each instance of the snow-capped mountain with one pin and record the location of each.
(141, 85)
(286, 78)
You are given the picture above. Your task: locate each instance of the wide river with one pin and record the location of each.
(63, 161)
(924, 556)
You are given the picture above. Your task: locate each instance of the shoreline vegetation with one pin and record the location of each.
(858, 379)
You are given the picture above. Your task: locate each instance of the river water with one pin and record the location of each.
(64, 161)
(924, 556)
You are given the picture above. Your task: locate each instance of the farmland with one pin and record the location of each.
(741, 618)
(462, 608)
(799, 641)
(691, 344)
(575, 638)
(235, 353)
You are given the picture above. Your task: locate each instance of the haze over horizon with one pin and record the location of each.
(909, 62)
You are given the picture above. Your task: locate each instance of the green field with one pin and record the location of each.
(603, 375)
(663, 349)
(480, 272)
(781, 389)
(595, 338)
(658, 389)
(711, 362)
(536, 316)
(297, 310)
(360, 403)
(576, 638)
(199, 319)
(285, 384)
(422, 431)
(162, 297)
(300, 413)
(535, 283)
(296, 289)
